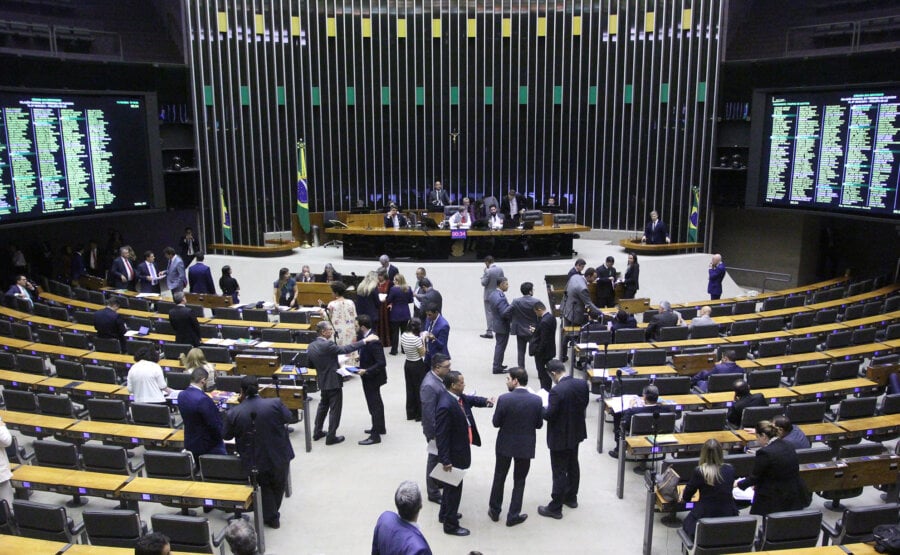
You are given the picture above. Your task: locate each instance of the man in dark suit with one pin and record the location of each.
(655, 233)
(565, 431)
(428, 296)
(184, 322)
(437, 197)
(373, 369)
(202, 424)
(578, 267)
(431, 389)
(391, 270)
(259, 427)
(121, 271)
(190, 246)
(512, 206)
(109, 323)
(76, 268)
(200, 277)
(393, 220)
(575, 301)
(743, 399)
(21, 289)
(397, 533)
(436, 334)
(724, 366)
(606, 283)
(665, 319)
(518, 414)
(455, 432)
(716, 275)
(522, 320)
(649, 403)
(544, 343)
(323, 356)
(147, 276)
(500, 323)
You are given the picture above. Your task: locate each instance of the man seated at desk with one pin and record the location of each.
(743, 399)
(495, 218)
(394, 220)
(461, 219)
(648, 403)
(724, 366)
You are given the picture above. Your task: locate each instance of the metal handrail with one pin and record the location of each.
(770, 276)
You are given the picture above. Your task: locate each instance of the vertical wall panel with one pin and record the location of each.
(608, 104)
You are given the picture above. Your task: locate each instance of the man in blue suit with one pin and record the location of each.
(175, 278)
(431, 390)
(202, 424)
(455, 432)
(109, 323)
(724, 366)
(565, 431)
(518, 415)
(147, 275)
(397, 533)
(656, 232)
(436, 334)
(200, 277)
(716, 275)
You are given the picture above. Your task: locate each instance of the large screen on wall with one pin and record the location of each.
(64, 154)
(827, 150)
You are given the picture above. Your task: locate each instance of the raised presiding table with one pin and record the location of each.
(68, 482)
(542, 242)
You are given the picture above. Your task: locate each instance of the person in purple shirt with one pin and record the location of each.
(397, 533)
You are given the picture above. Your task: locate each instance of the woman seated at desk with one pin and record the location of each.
(328, 274)
(713, 479)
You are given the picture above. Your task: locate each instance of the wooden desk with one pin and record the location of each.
(820, 329)
(663, 248)
(763, 336)
(835, 388)
(111, 431)
(774, 396)
(17, 545)
(14, 345)
(818, 431)
(783, 312)
(875, 425)
(851, 473)
(881, 319)
(19, 380)
(854, 548)
(156, 490)
(748, 364)
(791, 360)
(35, 423)
(95, 390)
(55, 351)
(249, 324)
(881, 372)
(68, 482)
(222, 496)
(682, 343)
(857, 351)
(82, 549)
(114, 359)
(175, 364)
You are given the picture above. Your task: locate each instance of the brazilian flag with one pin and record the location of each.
(226, 218)
(694, 218)
(302, 190)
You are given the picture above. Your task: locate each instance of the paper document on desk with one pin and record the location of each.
(432, 447)
(173, 394)
(453, 477)
(131, 333)
(618, 404)
(587, 346)
(662, 438)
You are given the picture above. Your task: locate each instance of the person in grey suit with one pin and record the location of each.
(518, 414)
(565, 431)
(522, 319)
(176, 280)
(489, 280)
(323, 356)
(432, 388)
(576, 300)
(500, 322)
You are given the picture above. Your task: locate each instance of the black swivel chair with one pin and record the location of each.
(46, 522)
(55, 454)
(185, 533)
(733, 534)
(114, 528)
(857, 523)
(790, 530)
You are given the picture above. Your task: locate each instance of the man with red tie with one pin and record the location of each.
(121, 273)
(455, 433)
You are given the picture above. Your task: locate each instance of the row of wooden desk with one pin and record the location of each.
(803, 290)
(17, 545)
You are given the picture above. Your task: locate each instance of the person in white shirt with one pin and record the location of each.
(461, 219)
(145, 378)
(495, 218)
(6, 491)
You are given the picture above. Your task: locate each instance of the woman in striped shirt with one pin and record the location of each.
(415, 368)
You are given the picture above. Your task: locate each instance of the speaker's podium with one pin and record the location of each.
(256, 365)
(291, 395)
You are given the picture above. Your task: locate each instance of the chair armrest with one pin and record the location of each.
(78, 530)
(686, 540)
(829, 531)
(218, 540)
(135, 469)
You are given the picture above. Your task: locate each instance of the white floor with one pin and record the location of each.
(340, 490)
